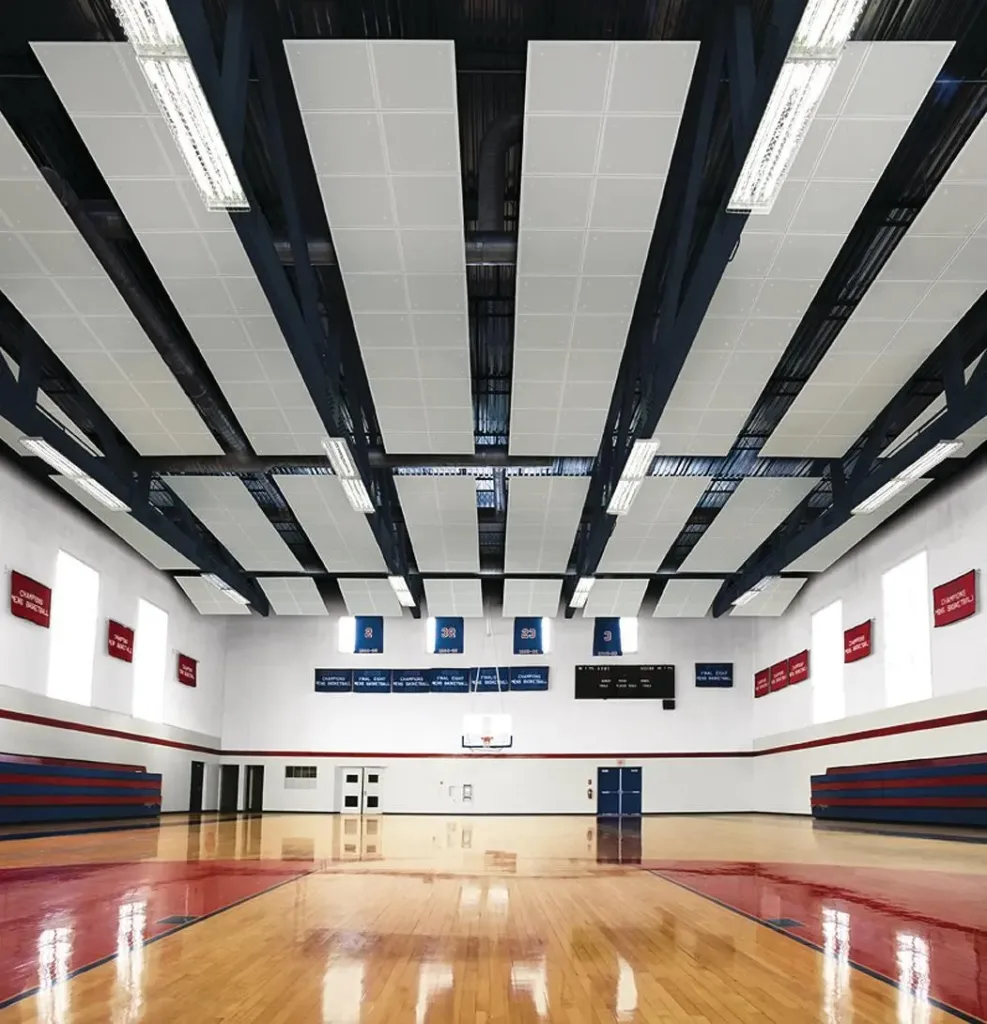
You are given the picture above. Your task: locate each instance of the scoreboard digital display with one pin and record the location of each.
(625, 682)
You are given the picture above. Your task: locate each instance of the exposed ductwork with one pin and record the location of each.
(501, 136)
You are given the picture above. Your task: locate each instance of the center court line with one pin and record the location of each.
(869, 971)
(85, 968)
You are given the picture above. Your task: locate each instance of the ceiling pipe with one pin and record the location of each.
(177, 353)
(491, 176)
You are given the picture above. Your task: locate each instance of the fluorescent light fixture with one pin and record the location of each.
(220, 584)
(176, 88)
(581, 593)
(67, 468)
(826, 26)
(936, 454)
(623, 497)
(100, 493)
(758, 587)
(401, 591)
(793, 104)
(338, 453)
(357, 495)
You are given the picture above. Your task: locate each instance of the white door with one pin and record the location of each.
(352, 790)
(372, 791)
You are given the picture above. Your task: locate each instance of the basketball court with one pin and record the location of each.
(493, 499)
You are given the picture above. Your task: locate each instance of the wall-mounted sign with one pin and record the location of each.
(528, 638)
(333, 680)
(450, 680)
(857, 642)
(535, 678)
(30, 599)
(448, 634)
(120, 641)
(490, 679)
(762, 682)
(779, 675)
(188, 670)
(955, 600)
(411, 680)
(714, 673)
(798, 668)
(368, 634)
(371, 680)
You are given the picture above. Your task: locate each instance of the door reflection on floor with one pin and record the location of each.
(618, 840)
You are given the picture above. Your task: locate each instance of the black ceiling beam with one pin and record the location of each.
(966, 405)
(120, 473)
(672, 302)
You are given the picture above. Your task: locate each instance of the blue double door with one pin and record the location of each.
(618, 792)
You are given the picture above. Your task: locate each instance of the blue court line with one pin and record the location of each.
(85, 968)
(869, 971)
(833, 825)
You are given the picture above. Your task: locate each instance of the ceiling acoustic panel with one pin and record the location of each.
(772, 601)
(341, 536)
(757, 507)
(851, 533)
(228, 510)
(532, 597)
(293, 595)
(543, 514)
(370, 597)
(454, 597)
(615, 597)
(49, 273)
(687, 599)
(196, 253)
(642, 537)
(783, 257)
(440, 514)
(147, 544)
(600, 125)
(209, 600)
(383, 130)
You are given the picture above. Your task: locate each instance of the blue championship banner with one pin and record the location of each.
(606, 636)
(333, 680)
(369, 635)
(448, 634)
(450, 680)
(528, 635)
(411, 680)
(529, 678)
(371, 680)
(714, 673)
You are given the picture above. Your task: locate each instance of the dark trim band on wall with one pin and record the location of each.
(924, 725)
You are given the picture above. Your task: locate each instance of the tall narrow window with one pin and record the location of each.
(74, 617)
(150, 659)
(828, 697)
(907, 639)
(628, 634)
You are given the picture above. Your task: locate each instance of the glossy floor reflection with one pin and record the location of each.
(299, 919)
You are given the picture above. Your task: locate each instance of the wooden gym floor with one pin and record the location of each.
(292, 919)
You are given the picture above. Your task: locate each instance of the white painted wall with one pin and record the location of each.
(952, 528)
(34, 526)
(271, 706)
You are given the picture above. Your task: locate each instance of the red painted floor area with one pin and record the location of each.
(924, 930)
(59, 919)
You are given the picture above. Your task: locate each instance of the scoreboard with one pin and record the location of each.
(640, 682)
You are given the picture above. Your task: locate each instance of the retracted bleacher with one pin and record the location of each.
(926, 791)
(36, 789)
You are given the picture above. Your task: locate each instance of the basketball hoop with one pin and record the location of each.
(486, 741)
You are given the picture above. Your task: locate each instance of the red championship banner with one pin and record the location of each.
(762, 683)
(779, 676)
(798, 668)
(857, 642)
(120, 641)
(30, 599)
(955, 600)
(187, 670)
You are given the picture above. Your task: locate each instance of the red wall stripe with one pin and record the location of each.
(826, 741)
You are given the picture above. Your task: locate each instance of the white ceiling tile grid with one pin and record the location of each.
(341, 536)
(784, 257)
(454, 597)
(772, 601)
(209, 600)
(543, 514)
(531, 597)
(147, 544)
(370, 597)
(751, 514)
(642, 537)
(228, 510)
(51, 275)
(440, 514)
(383, 129)
(601, 121)
(687, 599)
(615, 597)
(851, 533)
(293, 595)
(927, 286)
(196, 254)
